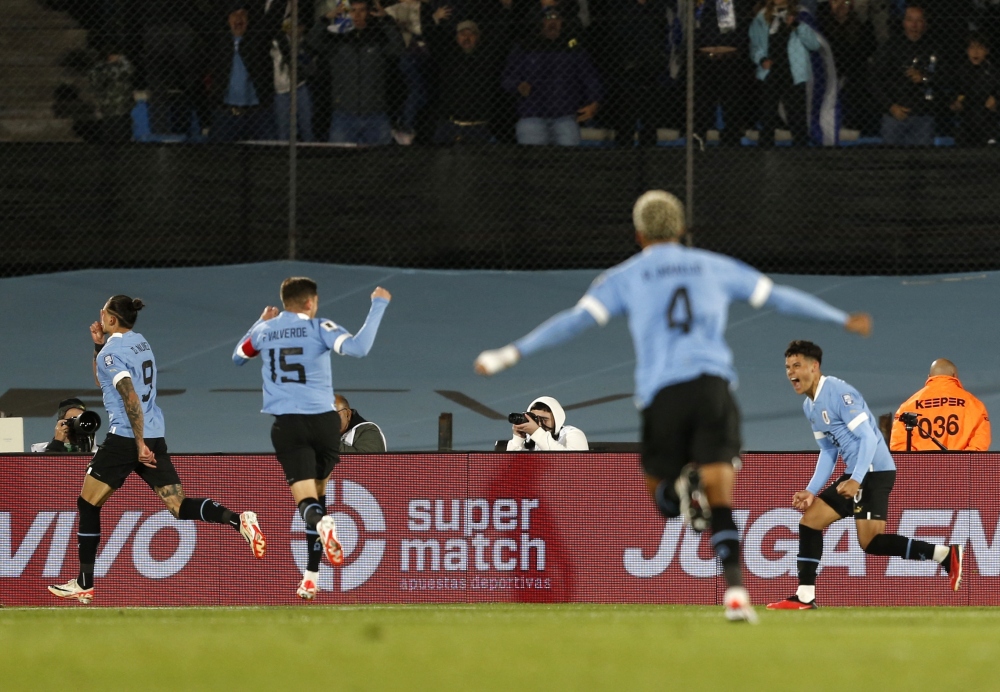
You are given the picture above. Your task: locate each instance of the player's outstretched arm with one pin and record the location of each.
(359, 345)
(244, 350)
(558, 329)
(798, 303)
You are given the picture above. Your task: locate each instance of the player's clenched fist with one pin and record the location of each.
(380, 292)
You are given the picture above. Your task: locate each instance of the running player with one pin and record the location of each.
(844, 426)
(298, 391)
(677, 300)
(125, 370)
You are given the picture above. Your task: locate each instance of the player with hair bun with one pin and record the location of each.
(125, 370)
(677, 302)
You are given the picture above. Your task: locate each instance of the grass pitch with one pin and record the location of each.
(498, 647)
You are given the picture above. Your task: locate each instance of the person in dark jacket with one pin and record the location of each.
(557, 84)
(357, 435)
(468, 76)
(242, 75)
(904, 83)
(977, 85)
(853, 44)
(360, 60)
(634, 65)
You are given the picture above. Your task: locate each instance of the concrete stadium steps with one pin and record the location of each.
(34, 40)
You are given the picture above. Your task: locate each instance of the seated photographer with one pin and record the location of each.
(357, 435)
(68, 438)
(543, 429)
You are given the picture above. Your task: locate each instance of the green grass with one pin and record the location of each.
(498, 647)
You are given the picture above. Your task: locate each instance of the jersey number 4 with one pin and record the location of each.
(679, 315)
(297, 368)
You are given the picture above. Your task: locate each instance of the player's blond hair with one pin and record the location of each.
(658, 215)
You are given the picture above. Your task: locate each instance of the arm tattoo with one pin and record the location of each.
(133, 407)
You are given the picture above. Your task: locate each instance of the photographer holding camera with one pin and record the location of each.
(75, 428)
(543, 429)
(941, 415)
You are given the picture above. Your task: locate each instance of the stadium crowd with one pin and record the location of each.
(534, 71)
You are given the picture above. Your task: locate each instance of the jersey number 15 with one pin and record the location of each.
(297, 368)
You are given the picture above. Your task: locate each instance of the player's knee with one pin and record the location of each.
(666, 500)
(871, 544)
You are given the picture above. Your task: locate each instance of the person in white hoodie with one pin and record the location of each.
(548, 432)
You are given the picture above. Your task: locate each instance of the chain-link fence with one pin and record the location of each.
(812, 137)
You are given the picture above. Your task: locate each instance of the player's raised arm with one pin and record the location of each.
(245, 350)
(358, 345)
(97, 334)
(558, 329)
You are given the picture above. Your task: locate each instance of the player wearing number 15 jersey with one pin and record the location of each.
(298, 391)
(677, 299)
(125, 369)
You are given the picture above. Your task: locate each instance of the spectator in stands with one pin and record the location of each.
(722, 81)
(64, 440)
(170, 61)
(281, 55)
(468, 71)
(111, 82)
(242, 75)
(545, 430)
(782, 36)
(946, 413)
(904, 83)
(557, 84)
(977, 85)
(853, 44)
(357, 435)
(359, 61)
(635, 64)
(413, 64)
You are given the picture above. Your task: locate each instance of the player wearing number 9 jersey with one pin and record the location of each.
(298, 391)
(677, 299)
(125, 369)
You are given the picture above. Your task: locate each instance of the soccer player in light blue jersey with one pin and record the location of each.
(295, 346)
(125, 370)
(677, 299)
(844, 427)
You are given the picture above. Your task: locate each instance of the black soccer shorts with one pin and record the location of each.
(694, 421)
(874, 500)
(118, 457)
(307, 445)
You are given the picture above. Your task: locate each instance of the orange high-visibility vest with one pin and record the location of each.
(947, 413)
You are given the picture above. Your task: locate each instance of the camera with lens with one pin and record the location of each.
(910, 420)
(521, 418)
(81, 429)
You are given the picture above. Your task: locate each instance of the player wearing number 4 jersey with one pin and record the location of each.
(844, 426)
(298, 391)
(677, 301)
(125, 370)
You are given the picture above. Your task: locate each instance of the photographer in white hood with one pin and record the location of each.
(544, 430)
